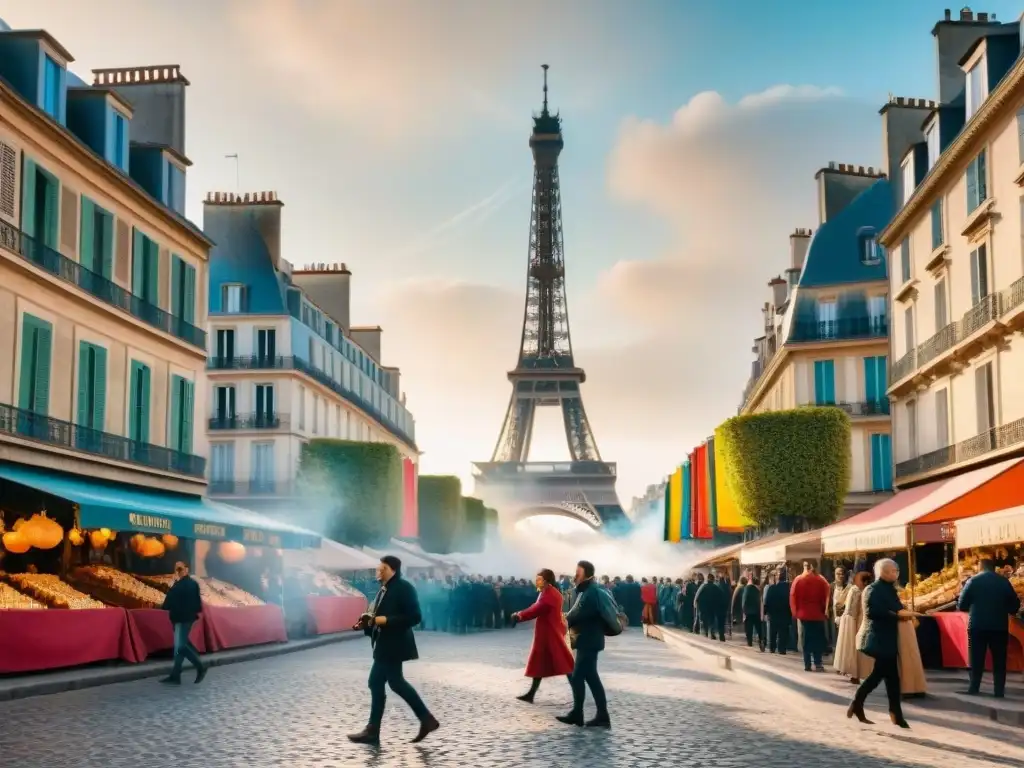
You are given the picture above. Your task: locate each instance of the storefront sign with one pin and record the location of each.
(763, 555)
(876, 540)
(250, 536)
(139, 521)
(991, 530)
(209, 531)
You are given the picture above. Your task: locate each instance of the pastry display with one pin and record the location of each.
(232, 595)
(163, 582)
(12, 599)
(50, 590)
(317, 582)
(124, 584)
(937, 590)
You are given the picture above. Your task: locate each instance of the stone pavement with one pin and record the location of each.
(295, 710)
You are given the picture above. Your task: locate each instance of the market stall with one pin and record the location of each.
(783, 548)
(331, 603)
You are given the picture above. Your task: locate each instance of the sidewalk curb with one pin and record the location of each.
(765, 676)
(61, 681)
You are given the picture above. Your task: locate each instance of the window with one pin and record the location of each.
(232, 298)
(941, 317)
(870, 251)
(138, 404)
(302, 407)
(145, 269)
(878, 308)
(985, 399)
(174, 195)
(53, 89)
(907, 177)
(316, 413)
(312, 353)
(92, 387)
(824, 382)
(976, 88)
(182, 401)
(225, 346)
(875, 380)
(937, 237)
(265, 406)
(881, 463)
(222, 463)
(942, 418)
(931, 139)
(266, 344)
(337, 421)
(224, 404)
(34, 378)
(827, 320)
(979, 275)
(912, 428)
(119, 140)
(183, 290)
(39, 206)
(905, 260)
(96, 250)
(977, 182)
(908, 327)
(262, 476)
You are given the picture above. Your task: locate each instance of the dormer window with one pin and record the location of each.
(54, 88)
(977, 87)
(907, 176)
(118, 142)
(868, 247)
(931, 138)
(174, 186)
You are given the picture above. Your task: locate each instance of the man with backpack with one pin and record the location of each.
(592, 617)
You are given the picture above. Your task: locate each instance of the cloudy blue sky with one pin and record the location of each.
(396, 133)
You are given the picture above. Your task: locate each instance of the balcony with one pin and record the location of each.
(97, 286)
(292, 363)
(866, 409)
(248, 421)
(63, 434)
(251, 488)
(990, 441)
(841, 329)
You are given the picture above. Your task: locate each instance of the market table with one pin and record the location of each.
(34, 640)
(152, 632)
(955, 647)
(331, 613)
(243, 626)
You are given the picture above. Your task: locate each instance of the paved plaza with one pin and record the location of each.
(295, 710)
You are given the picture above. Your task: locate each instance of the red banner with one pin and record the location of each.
(410, 528)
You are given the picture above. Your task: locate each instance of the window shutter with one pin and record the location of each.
(942, 417)
(876, 463)
(870, 380)
(99, 389)
(134, 392)
(982, 272)
(176, 285)
(87, 251)
(981, 398)
(186, 420)
(144, 407)
(28, 197)
(174, 438)
(44, 340)
(153, 272)
(8, 180)
(83, 384)
(975, 279)
(982, 182)
(972, 185)
(885, 442)
(68, 219)
(28, 362)
(170, 289)
(123, 254)
(138, 263)
(106, 255)
(189, 309)
(940, 305)
(51, 221)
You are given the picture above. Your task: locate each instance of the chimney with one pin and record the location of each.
(953, 38)
(799, 242)
(230, 217)
(157, 96)
(902, 127)
(368, 337)
(966, 15)
(780, 291)
(328, 286)
(839, 184)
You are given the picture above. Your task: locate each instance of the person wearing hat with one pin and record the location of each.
(389, 624)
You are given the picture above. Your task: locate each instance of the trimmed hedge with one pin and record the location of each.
(788, 464)
(361, 484)
(441, 512)
(473, 533)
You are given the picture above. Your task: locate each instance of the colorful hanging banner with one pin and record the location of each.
(712, 494)
(687, 501)
(675, 505)
(730, 517)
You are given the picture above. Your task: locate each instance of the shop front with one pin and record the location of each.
(313, 586)
(783, 549)
(86, 565)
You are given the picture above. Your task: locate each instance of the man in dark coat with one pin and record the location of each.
(183, 605)
(750, 607)
(778, 613)
(711, 607)
(587, 629)
(389, 625)
(691, 598)
(990, 599)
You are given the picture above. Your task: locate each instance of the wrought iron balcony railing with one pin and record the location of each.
(988, 441)
(34, 252)
(45, 429)
(248, 421)
(218, 487)
(293, 363)
(857, 327)
(866, 408)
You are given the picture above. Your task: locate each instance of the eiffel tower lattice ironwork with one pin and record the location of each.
(546, 374)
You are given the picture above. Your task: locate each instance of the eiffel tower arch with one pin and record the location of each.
(546, 375)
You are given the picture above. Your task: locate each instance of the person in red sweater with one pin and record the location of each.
(649, 595)
(808, 600)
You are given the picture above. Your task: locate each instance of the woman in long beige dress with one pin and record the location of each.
(912, 679)
(848, 660)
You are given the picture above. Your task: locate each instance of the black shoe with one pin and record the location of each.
(428, 725)
(571, 719)
(201, 675)
(369, 735)
(601, 721)
(898, 720)
(527, 697)
(171, 680)
(999, 695)
(969, 692)
(857, 710)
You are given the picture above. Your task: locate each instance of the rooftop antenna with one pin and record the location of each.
(238, 184)
(545, 68)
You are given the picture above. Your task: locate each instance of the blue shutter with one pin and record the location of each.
(133, 399)
(44, 338)
(876, 463)
(144, 408)
(189, 295)
(138, 263)
(106, 260)
(28, 362)
(152, 272)
(937, 224)
(824, 382)
(83, 384)
(870, 380)
(99, 389)
(177, 267)
(174, 438)
(51, 215)
(972, 185)
(886, 451)
(982, 182)
(186, 416)
(28, 197)
(87, 249)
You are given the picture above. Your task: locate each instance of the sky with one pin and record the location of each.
(396, 133)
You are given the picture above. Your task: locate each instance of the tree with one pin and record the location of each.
(788, 464)
(358, 487)
(441, 512)
(473, 533)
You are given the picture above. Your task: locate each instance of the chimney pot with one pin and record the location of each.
(832, 164)
(948, 14)
(982, 17)
(966, 14)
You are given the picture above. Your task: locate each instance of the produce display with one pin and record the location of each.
(50, 590)
(934, 591)
(231, 595)
(122, 583)
(161, 583)
(12, 599)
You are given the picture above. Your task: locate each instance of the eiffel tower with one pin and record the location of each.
(547, 375)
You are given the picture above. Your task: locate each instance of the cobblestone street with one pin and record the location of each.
(295, 710)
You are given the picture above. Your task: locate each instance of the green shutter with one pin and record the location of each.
(51, 216)
(189, 313)
(83, 384)
(177, 266)
(174, 438)
(28, 197)
(87, 249)
(138, 263)
(44, 340)
(186, 416)
(106, 264)
(99, 389)
(28, 362)
(133, 399)
(871, 394)
(144, 407)
(152, 273)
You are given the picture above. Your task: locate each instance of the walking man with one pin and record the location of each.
(586, 631)
(777, 611)
(990, 600)
(808, 602)
(183, 605)
(389, 625)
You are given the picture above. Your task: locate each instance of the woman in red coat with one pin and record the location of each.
(549, 655)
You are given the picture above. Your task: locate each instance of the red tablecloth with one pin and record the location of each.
(152, 632)
(953, 638)
(31, 641)
(240, 627)
(333, 614)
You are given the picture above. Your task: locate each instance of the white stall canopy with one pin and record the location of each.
(787, 549)
(331, 556)
(993, 529)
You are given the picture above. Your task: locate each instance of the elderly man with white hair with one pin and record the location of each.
(879, 639)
